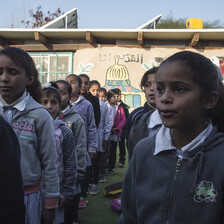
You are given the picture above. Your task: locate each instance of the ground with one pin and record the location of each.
(98, 209)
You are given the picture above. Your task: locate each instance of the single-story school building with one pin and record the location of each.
(117, 58)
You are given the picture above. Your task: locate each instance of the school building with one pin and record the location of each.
(117, 58)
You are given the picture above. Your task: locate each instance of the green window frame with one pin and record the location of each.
(53, 66)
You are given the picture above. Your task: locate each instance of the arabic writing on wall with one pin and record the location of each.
(136, 58)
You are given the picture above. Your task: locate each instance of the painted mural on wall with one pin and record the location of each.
(84, 69)
(117, 76)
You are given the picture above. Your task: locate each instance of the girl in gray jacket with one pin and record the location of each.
(20, 91)
(75, 122)
(66, 150)
(177, 176)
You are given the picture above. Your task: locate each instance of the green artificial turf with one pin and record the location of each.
(98, 209)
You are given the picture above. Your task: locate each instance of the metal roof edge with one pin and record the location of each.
(108, 30)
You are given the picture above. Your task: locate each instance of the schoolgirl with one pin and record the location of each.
(144, 121)
(118, 123)
(122, 145)
(85, 109)
(147, 85)
(84, 91)
(65, 145)
(103, 132)
(20, 91)
(177, 175)
(103, 94)
(74, 121)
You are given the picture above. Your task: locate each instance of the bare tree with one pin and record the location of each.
(38, 18)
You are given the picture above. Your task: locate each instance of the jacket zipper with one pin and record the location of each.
(172, 191)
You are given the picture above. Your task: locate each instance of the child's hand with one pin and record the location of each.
(63, 202)
(114, 131)
(48, 216)
(105, 144)
(80, 178)
(92, 155)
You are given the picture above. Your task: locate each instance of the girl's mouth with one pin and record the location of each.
(5, 88)
(167, 113)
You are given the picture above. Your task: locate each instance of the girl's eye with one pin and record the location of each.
(160, 89)
(12, 71)
(44, 102)
(54, 102)
(147, 85)
(179, 89)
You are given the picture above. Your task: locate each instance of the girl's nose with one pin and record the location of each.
(4, 77)
(166, 97)
(152, 87)
(48, 106)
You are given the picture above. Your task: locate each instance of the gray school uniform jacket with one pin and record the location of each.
(85, 109)
(105, 125)
(67, 161)
(75, 122)
(166, 189)
(35, 132)
(138, 131)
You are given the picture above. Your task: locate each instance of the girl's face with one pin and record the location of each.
(149, 89)
(102, 96)
(52, 104)
(94, 90)
(13, 79)
(178, 99)
(73, 81)
(119, 97)
(113, 100)
(85, 85)
(64, 95)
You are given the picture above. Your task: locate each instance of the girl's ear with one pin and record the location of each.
(30, 80)
(211, 100)
(59, 109)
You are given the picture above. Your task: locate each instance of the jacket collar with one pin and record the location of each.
(164, 141)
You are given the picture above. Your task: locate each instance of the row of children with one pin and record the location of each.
(64, 142)
(170, 178)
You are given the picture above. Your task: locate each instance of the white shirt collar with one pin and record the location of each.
(154, 119)
(63, 111)
(164, 142)
(19, 104)
(80, 97)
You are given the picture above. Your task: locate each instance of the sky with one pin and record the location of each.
(114, 14)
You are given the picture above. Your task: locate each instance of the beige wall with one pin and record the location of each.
(100, 63)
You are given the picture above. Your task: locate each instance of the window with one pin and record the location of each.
(132, 100)
(53, 66)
